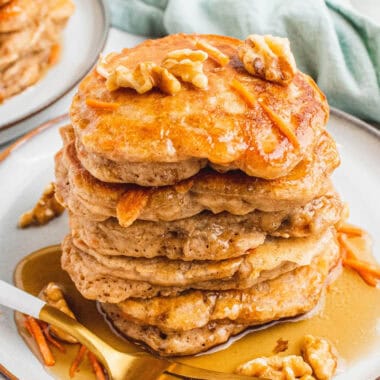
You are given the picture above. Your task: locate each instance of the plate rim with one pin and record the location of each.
(40, 128)
(106, 17)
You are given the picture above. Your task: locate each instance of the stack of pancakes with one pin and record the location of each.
(29, 40)
(192, 215)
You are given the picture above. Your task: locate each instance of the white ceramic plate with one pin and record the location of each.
(29, 167)
(83, 39)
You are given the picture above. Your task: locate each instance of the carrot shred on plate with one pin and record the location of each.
(50, 339)
(77, 360)
(350, 230)
(39, 337)
(213, 52)
(54, 54)
(96, 366)
(91, 102)
(351, 260)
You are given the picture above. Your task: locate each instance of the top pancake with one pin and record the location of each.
(213, 125)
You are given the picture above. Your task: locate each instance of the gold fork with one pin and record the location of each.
(119, 365)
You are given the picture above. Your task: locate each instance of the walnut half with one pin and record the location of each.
(276, 367)
(269, 58)
(319, 353)
(46, 209)
(143, 78)
(52, 294)
(187, 64)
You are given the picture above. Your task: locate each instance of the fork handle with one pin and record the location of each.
(17, 299)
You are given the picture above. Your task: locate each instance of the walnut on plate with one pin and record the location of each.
(143, 78)
(276, 367)
(320, 354)
(46, 209)
(269, 58)
(52, 294)
(187, 64)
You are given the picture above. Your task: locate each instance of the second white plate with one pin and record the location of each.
(83, 39)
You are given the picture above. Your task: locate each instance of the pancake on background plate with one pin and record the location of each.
(30, 38)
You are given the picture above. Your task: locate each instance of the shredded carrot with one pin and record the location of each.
(348, 254)
(8, 14)
(243, 92)
(213, 52)
(77, 360)
(41, 341)
(96, 366)
(27, 326)
(53, 341)
(360, 265)
(351, 230)
(103, 105)
(54, 54)
(281, 125)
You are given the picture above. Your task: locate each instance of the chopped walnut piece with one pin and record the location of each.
(101, 66)
(281, 346)
(276, 367)
(143, 78)
(52, 294)
(269, 58)
(46, 209)
(320, 354)
(187, 64)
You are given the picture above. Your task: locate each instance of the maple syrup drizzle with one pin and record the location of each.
(348, 318)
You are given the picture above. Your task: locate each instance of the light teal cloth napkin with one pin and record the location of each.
(337, 46)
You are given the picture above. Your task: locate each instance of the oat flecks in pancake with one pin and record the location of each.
(213, 124)
(233, 192)
(303, 294)
(205, 236)
(86, 266)
(284, 296)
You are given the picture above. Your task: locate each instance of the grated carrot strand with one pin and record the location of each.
(351, 230)
(248, 97)
(52, 340)
(41, 341)
(349, 254)
(98, 369)
(281, 125)
(77, 360)
(94, 103)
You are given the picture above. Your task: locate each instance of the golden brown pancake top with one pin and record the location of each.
(214, 123)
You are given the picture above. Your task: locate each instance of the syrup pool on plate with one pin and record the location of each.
(348, 318)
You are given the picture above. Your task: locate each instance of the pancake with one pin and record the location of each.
(213, 124)
(205, 236)
(274, 257)
(35, 38)
(234, 192)
(19, 14)
(283, 296)
(23, 73)
(218, 316)
(172, 344)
